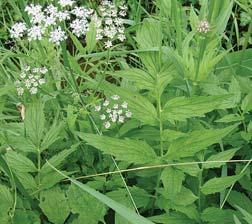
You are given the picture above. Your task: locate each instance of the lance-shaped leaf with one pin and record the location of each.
(219, 184)
(196, 141)
(132, 151)
(181, 108)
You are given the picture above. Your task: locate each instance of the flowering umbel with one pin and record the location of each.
(31, 80)
(113, 111)
(203, 27)
(45, 22)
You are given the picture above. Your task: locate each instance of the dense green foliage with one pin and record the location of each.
(180, 86)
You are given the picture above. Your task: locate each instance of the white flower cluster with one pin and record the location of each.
(113, 111)
(203, 27)
(30, 79)
(110, 23)
(46, 22)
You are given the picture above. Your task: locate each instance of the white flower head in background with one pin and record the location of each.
(109, 23)
(57, 35)
(31, 80)
(18, 30)
(65, 3)
(203, 27)
(113, 111)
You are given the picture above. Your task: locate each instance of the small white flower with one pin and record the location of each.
(41, 81)
(128, 114)
(121, 37)
(35, 33)
(43, 70)
(114, 118)
(27, 83)
(51, 10)
(65, 3)
(17, 30)
(50, 20)
(107, 124)
(57, 35)
(122, 13)
(62, 16)
(125, 105)
(33, 90)
(81, 12)
(116, 106)
(35, 84)
(106, 103)
(79, 27)
(119, 112)
(115, 97)
(27, 68)
(108, 110)
(20, 91)
(97, 108)
(203, 27)
(103, 117)
(108, 44)
(22, 75)
(121, 119)
(33, 9)
(35, 70)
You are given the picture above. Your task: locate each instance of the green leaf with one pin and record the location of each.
(90, 210)
(196, 141)
(240, 199)
(34, 122)
(246, 216)
(172, 218)
(117, 207)
(221, 156)
(132, 151)
(140, 196)
(19, 163)
(91, 37)
(219, 184)
(54, 204)
(230, 118)
(57, 159)
(247, 103)
(172, 179)
(237, 221)
(51, 136)
(181, 108)
(6, 203)
(26, 216)
(216, 216)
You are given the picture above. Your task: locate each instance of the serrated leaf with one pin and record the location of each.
(181, 108)
(216, 216)
(120, 209)
(6, 203)
(34, 122)
(219, 184)
(19, 162)
(172, 179)
(196, 141)
(221, 156)
(246, 216)
(247, 103)
(51, 136)
(240, 199)
(89, 209)
(57, 159)
(54, 204)
(230, 118)
(132, 151)
(172, 218)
